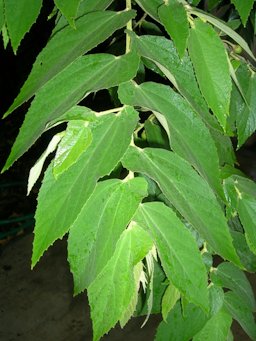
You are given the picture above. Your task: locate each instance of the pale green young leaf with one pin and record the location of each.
(229, 276)
(224, 28)
(174, 18)
(36, 170)
(181, 324)
(76, 140)
(216, 329)
(93, 235)
(20, 16)
(211, 67)
(5, 36)
(68, 9)
(176, 248)
(188, 192)
(112, 291)
(243, 8)
(239, 310)
(182, 126)
(56, 212)
(242, 194)
(150, 7)
(170, 298)
(86, 74)
(67, 45)
(138, 270)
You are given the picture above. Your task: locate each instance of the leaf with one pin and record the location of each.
(224, 28)
(242, 192)
(182, 126)
(181, 325)
(177, 248)
(117, 279)
(93, 235)
(68, 9)
(76, 140)
(246, 119)
(188, 192)
(66, 46)
(170, 298)
(1, 14)
(155, 134)
(248, 259)
(86, 74)
(240, 312)
(216, 329)
(20, 16)
(243, 8)
(36, 170)
(174, 18)
(150, 7)
(209, 58)
(57, 212)
(229, 276)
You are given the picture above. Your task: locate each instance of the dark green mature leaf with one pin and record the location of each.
(174, 18)
(178, 251)
(248, 259)
(67, 45)
(243, 8)
(150, 7)
(112, 291)
(68, 9)
(76, 140)
(246, 118)
(180, 72)
(188, 192)
(241, 312)
(229, 276)
(86, 74)
(181, 325)
(87, 6)
(155, 134)
(20, 16)
(211, 66)
(242, 194)
(216, 329)
(181, 124)
(93, 235)
(60, 201)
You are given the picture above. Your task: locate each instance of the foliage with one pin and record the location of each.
(147, 191)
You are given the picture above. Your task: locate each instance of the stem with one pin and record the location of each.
(106, 112)
(128, 27)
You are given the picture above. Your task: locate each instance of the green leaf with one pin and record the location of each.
(86, 74)
(171, 296)
(246, 118)
(57, 212)
(240, 312)
(111, 292)
(229, 276)
(36, 170)
(93, 235)
(181, 124)
(76, 140)
(1, 14)
(150, 7)
(155, 134)
(176, 247)
(248, 258)
(87, 6)
(209, 58)
(174, 18)
(222, 25)
(188, 192)
(68, 9)
(216, 329)
(67, 45)
(181, 325)
(20, 16)
(243, 8)
(242, 194)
